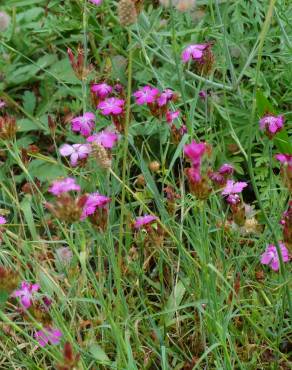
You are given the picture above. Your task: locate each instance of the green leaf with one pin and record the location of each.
(263, 104)
(283, 143)
(25, 206)
(99, 354)
(3, 297)
(29, 101)
(174, 301)
(45, 170)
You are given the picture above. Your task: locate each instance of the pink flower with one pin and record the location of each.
(203, 94)
(144, 220)
(146, 95)
(285, 159)
(2, 104)
(59, 187)
(226, 169)
(171, 116)
(270, 256)
(101, 90)
(194, 52)
(105, 138)
(75, 152)
(26, 293)
(272, 124)
(94, 201)
(232, 189)
(194, 174)
(112, 106)
(165, 97)
(48, 335)
(195, 151)
(96, 2)
(2, 220)
(83, 124)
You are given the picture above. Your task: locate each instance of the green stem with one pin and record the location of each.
(85, 50)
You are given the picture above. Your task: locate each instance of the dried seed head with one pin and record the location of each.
(8, 127)
(102, 156)
(127, 12)
(154, 166)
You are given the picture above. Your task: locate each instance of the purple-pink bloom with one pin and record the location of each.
(285, 159)
(105, 138)
(272, 123)
(96, 2)
(144, 220)
(48, 335)
(112, 106)
(270, 256)
(26, 293)
(2, 104)
(203, 94)
(75, 152)
(194, 52)
(94, 201)
(171, 116)
(146, 95)
(195, 151)
(59, 187)
(101, 90)
(226, 169)
(232, 189)
(2, 220)
(194, 174)
(83, 124)
(165, 97)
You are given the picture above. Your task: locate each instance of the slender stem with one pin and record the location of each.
(85, 51)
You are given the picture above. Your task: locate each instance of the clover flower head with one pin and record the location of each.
(144, 220)
(59, 187)
(105, 138)
(76, 152)
(271, 258)
(146, 95)
(26, 293)
(111, 106)
(83, 124)
(48, 336)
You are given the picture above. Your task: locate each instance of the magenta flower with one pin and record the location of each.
(203, 94)
(226, 169)
(2, 220)
(232, 189)
(59, 187)
(96, 2)
(75, 152)
(144, 220)
(194, 174)
(285, 159)
(94, 201)
(2, 104)
(101, 90)
(112, 106)
(270, 256)
(272, 124)
(48, 335)
(194, 52)
(146, 95)
(165, 97)
(195, 151)
(26, 293)
(105, 138)
(83, 124)
(171, 116)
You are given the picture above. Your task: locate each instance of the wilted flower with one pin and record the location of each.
(144, 220)
(146, 95)
(76, 152)
(232, 189)
(220, 177)
(48, 336)
(101, 90)
(105, 138)
(271, 124)
(111, 106)
(83, 124)
(8, 127)
(270, 256)
(64, 255)
(59, 187)
(26, 293)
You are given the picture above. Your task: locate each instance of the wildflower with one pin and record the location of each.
(26, 293)
(2, 104)
(146, 95)
(2, 220)
(63, 186)
(195, 52)
(111, 106)
(271, 124)
(144, 220)
(8, 127)
(165, 97)
(203, 94)
(101, 90)
(83, 124)
(171, 116)
(220, 177)
(195, 151)
(96, 2)
(226, 169)
(94, 201)
(105, 138)
(76, 152)
(286, 168)
(270, 256)
(67, 207)
(48, 335)
(285, 159)
(232, 189)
